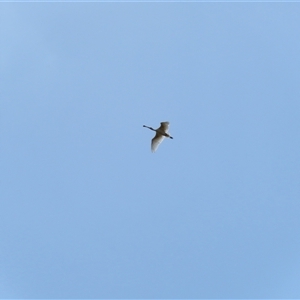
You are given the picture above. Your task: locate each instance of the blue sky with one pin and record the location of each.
(87, 211)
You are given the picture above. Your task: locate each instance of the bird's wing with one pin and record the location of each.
(164, 126)
(156, 141)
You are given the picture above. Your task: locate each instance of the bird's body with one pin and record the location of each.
(161, 133)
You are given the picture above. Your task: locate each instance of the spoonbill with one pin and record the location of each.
(160, 135)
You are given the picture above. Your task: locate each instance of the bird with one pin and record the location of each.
(160, 135)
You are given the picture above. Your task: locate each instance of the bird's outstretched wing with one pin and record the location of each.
(156, 141)
(164, 126)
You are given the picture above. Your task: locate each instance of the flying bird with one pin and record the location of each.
(160, 135)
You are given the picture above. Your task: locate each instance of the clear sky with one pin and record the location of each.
(87, 211)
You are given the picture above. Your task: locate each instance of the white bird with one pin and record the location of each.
(160, 135)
